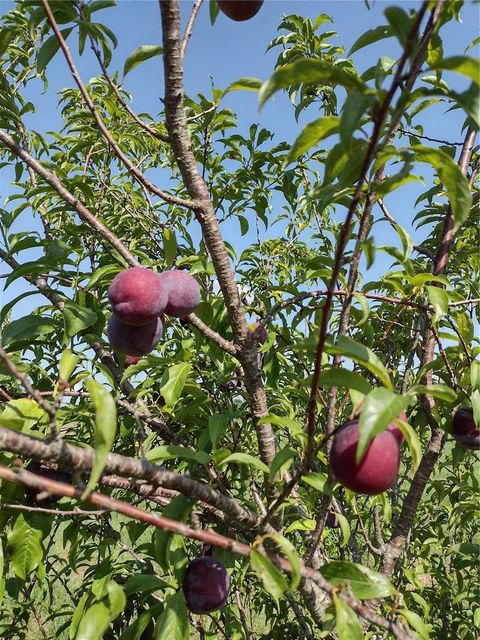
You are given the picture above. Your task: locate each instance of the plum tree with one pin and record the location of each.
(50, 474)
(240, 10)
(464, 429)
(205, 585)
(137, 296)
(378, 468)
(134, 341)
(183, 293)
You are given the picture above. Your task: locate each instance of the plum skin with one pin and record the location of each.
(205, 585)
(49, 474)
(378, 468)
(332, 520)
(464, 429)
(133, 341)
(183, 293)
(137, 296)
(240, 10)
(260, 334)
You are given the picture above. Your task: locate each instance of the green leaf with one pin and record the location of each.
(353, 110)
(217, 425)
(24, 542)
(318, 481)
(173, 382)
(173, 622)
(362, 355)
(48, 49)
(380, 408)
(339, 377)
(169, 246)
(344, 528)
(460, 64)
(413, 443)
(371, 36)
(245, 458)
(178, 509)
(455, 183)
(77, 318)
(281, 461)
(105, 429)
(27, 328)
(288, 550)
(144, 52)
(311, 135)
(365, 583)
(440, 391)
(348, 625)
(67, 364)
(116, 599)
(244, 84)
(172, 451)
(273, 580)
(416, 622)
(309, 71)
(94, 623)
(475, 400)
(21, 414)
(475, 375)
(107, 271)
(400, 23)
(438, 298)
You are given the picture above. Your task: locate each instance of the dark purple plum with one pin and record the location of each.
(332, 520)
(464, 428)
(183, 293)
(240, 10)
(133, 341)
(377, 470)
(137, 296)
(205, 585)
(49, 474)
(261, 334)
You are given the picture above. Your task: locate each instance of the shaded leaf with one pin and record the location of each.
(273, 580)
(348, 625)
(173, 382)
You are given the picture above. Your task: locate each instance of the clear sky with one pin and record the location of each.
(227, 51)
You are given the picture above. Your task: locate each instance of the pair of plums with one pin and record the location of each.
(139, 297)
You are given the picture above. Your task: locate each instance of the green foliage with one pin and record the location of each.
(281, 205)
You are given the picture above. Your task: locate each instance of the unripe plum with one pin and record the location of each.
(378, 468)
(50, 474)
(133, 341)
(464, 428)
(137, 296)
(205, 585)
(261, 334)
(240, 10)
(129, 360)
(183, 293)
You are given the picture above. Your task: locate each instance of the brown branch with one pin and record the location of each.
(46, 406)
(209, 537)
(176, 122)
(52, 512)
(212, 335)
(138, 175)
(71, 457)
(188, 30)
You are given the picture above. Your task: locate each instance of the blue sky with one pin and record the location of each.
(227, 51)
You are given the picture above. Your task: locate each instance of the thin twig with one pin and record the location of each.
(188, 30)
